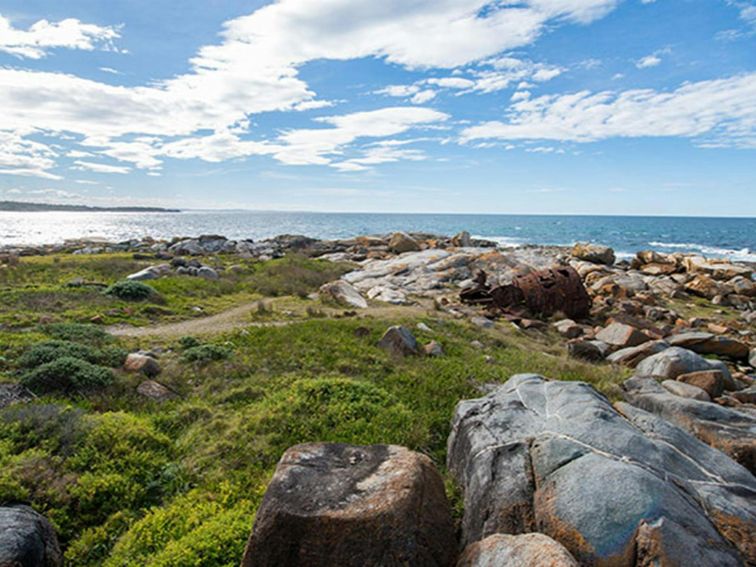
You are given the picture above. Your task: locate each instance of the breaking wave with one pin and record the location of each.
(742, 255)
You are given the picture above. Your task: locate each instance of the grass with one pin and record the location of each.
(128, 481)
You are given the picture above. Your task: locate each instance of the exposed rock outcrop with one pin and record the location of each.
(343, 293)
(335, 504)
(614, 488)
(727, 429)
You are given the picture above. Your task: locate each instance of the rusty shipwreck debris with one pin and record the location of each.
(539, 293)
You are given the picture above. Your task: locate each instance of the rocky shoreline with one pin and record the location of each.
(552, 472)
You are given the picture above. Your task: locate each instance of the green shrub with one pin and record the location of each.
(49, 351)
(204, 354)
(189, 342)
(78, 333)
(131, 291)
(208, 529)
(294, 275)
(66, 375)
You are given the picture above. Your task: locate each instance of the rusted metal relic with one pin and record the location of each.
(540, 293)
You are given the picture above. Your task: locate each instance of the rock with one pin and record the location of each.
(685, 390)
(527, 550)
(632, 356)
(708, 343)
(731, 431)
(190, 247)
(155, 390)
(482, 322)
(424, 328)
(710, 381)
(674, 361)
(27, 539)
(592, 351)
(752, 357)
(718, 269)
(609, 486)
(568, 328)
(387, 295)
(622, 336)
(137, 362)
(144, 275)
(742, 286)
(208, 273)
(462, 240)
(343, 293)
(401, 242)
(14, 394)
(702, 286)
(399, 341)
(433, 349)
(593, 253)
(336, 504)
(746, 396)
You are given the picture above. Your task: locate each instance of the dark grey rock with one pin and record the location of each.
(27, 539)
(399, 341)
(674, 361)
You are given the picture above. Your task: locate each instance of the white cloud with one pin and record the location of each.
(254, 69)
(42, 36)
(648, 61)
(715, 113)
(423, 96)
(99, 167)
(25, 157)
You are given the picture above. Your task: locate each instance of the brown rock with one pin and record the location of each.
(568, 328)
(403, 242)
(335, 504)
(708, 343)
(527, 550)
(433, 348)
(622, 335)
(137, 362)
(632, 356)
(710, 381)
(702, 286)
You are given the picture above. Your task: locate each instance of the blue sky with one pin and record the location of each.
(529, 106)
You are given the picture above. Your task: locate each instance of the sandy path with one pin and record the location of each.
(228, 320)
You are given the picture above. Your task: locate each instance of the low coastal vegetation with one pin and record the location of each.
(156, 392)
(130, 480)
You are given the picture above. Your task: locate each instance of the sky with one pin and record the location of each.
(638, 107)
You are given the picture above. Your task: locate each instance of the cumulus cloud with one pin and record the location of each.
(648, 61)
(715, 113)
(255, 69)
(80, 165)
(42, 36)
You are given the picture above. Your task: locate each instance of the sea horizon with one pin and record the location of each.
(725, 237)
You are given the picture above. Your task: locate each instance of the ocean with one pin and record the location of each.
(734, 238)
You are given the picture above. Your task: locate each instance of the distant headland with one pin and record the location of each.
(23, 207)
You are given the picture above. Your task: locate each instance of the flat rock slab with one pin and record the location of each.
(727, 429)
(632, 356)
(27, 539)
(558, 458)
(527, 550)
(346, 505)
(708, 343)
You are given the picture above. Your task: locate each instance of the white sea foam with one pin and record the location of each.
(504, 241)
(742, 255)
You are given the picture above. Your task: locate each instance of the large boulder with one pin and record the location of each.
(343, 293)
(710, 381)
(729, 430)
(27, 539)
(593, 253)
(527, 550)
(709, 343)
(674, 361)
(402, 242)
(336, 504)
(611, 486)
